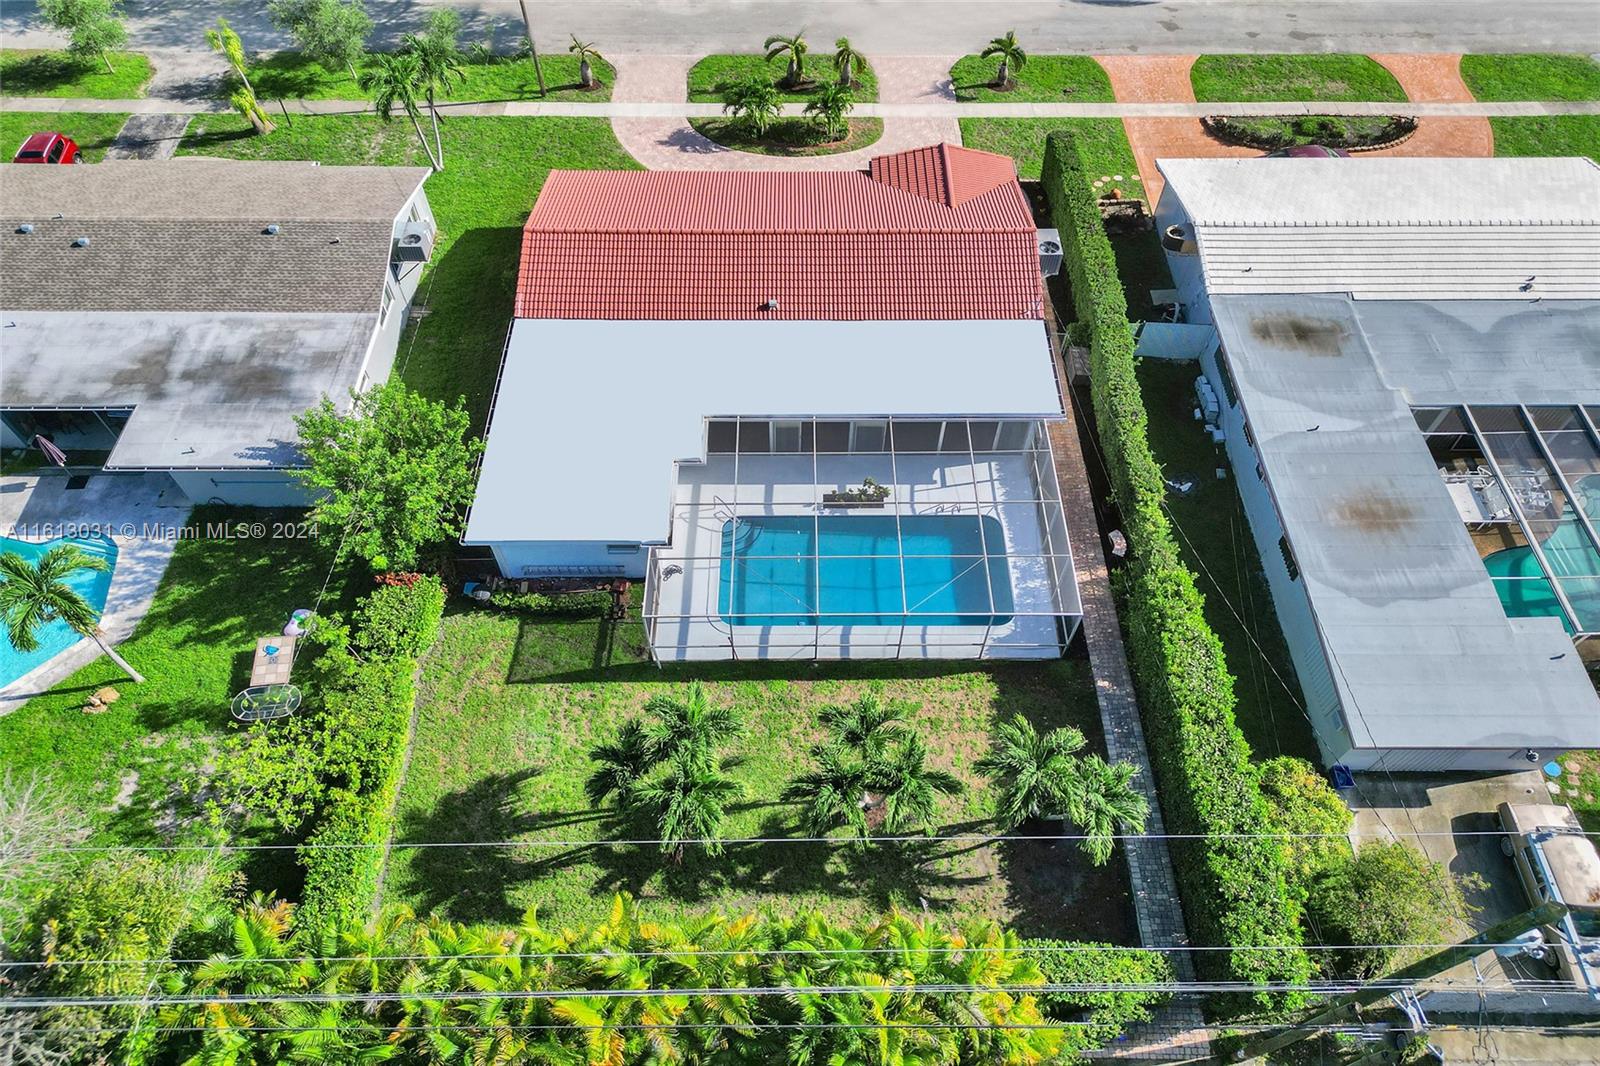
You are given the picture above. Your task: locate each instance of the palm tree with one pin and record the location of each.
(867, 725)
(904, 789)
(1031, 771)
(395, 79)
(586, 56)
(690, 803)
(752, 101)
(1100, 797)
(622, 763)
(693, 726)
(795, 48)
(438, 64)
(848, 62)
(834, 793)
(36, 594)
(1012, 58)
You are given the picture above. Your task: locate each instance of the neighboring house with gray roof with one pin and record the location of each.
(177, 315)
(1406, 375)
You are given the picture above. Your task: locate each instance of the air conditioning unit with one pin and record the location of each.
(1049, 252)
(415, 243)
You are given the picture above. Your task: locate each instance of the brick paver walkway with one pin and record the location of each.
(1437, 79)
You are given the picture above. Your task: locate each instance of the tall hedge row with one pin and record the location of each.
(1234, 888)
(343, 856)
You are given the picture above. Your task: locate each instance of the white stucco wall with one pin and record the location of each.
(570, 558)
(247, 488)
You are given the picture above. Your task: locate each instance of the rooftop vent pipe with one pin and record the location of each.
(271, 230)
(80, 242)
(26, 227)
(770, 305)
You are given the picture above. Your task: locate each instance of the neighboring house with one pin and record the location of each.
(1407, 375)
(176, 315)
(808, 409)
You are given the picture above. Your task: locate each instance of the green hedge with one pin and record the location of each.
(1234, 889)
(1099, 1017)
(343, 856)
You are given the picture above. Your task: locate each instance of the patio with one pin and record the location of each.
(960, 552)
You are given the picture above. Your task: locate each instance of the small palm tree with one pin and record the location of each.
(830, 106)
(867, 725)
(395, 80)
(1012, 58)
(438, 64)
(36, 594)
(847, 62)
(690, 803)
(793, 47)
(1100, 798)
(622, 764)
(906, 789)
(694, 726)
(1031, 771)
(834, 793)
(753, 101)
(586, 56)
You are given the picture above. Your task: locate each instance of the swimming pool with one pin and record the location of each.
(55, 638)
(770, 578)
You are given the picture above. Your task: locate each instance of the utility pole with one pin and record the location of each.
(1499, 933)
(527, 23)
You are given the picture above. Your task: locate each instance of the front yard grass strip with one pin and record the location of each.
(1102, 143)
(291, 75)
(514, 697)
(1234, 886)
(494, 167)
(1327, 76)
(1533, 76)
(1547, 135)
(788, 136)
(94, 131)
(707, 77)
(1046, 78)
(33, 72)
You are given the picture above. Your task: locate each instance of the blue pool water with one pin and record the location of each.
(55, 638)
(769, 577)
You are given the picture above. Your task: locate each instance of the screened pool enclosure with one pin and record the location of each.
(816, 538)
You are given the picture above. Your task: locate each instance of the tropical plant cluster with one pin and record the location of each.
(1271, 132)
(1235, 884)
(755, 101)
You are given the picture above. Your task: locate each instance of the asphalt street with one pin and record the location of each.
(922, 27)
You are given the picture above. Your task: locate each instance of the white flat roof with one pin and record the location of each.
(591, 415)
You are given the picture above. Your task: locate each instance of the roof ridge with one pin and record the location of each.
(944, 166)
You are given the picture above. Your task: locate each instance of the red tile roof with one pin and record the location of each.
(934, 233)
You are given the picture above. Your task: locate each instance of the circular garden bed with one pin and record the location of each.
(1272, 132)
(788, 136)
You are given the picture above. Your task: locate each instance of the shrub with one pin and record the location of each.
(1234, 885)
(343, 859)
(401, 619)
(1302, 803)
(1106, 1014)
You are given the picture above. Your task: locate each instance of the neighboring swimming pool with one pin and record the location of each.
(55, 638)
(770, 578)
(1525, 591)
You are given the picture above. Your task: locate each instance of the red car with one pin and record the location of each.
(48, 148)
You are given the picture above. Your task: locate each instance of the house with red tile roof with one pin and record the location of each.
(805, 408)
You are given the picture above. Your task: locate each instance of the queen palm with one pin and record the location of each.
(867, 725)
(438, 64)
(1100, 799)
(794, 49)
(834, 792)
(586, 54)
(33, 595)
(905, 791)
(690, 802)
(847, 62)
(1012, 58)
(1031, 771)
(620, 766)
(691, 725)
(752, 101)
(395, 80)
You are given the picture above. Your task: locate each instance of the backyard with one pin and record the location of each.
(494, 168)
(512, 701)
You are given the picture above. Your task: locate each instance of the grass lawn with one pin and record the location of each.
(134, 769)
(1074, 79)
(1536, 76)
(789, 136)
(1580, 787)
(1331, 76)
(1102, 141)
(493, 170)
(1547, 135)
(290, 75)
(708, 76)
(512, 703)
(93, 131)
(30, 72)
(1215, 533)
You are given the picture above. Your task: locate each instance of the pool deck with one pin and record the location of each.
(136, 511)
